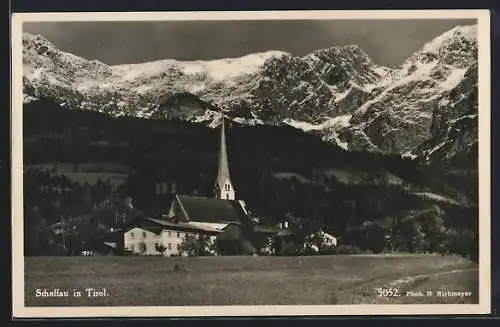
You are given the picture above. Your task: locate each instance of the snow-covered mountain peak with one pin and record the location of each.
(464, 34)
(456, 47)
(42, 60)
(36, 47)
(351, 51)
(36, 40)
(444, 59)
(217, 70)
(337, 92)
(350, 58)
(406, 103)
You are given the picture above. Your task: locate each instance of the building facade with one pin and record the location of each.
(160, 237)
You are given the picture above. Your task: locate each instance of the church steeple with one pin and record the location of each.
(223, 186)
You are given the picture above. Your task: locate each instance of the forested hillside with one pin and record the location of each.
(429, 208)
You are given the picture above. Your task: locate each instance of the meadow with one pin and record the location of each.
(246, 280)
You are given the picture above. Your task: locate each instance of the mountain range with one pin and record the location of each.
(427, 108)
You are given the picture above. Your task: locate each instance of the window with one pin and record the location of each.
(228, 187)
(169, 233)
(144, 234)
(169, 246)
(178, 235)
(132, 235)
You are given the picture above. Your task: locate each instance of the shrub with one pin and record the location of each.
(160, 248)
(197, 245)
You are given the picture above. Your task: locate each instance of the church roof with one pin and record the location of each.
(212, 210)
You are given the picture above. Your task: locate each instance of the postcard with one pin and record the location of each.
(267, 163)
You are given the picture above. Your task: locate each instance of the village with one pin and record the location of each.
(212, 226)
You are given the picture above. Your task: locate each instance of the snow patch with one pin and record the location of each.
(409, 155)
(304, 126)
(334, 126)
(341, 96)
(454, 78)
(28, 98)
(209, 115)
(335, 137)
(246, 121)
(436, 197)
(195, 87)
(471, 116)
(381, 70)
(339, 122)
(437, 147)
(443, 102)
(368, 88)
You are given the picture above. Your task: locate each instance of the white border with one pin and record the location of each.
(20, 311)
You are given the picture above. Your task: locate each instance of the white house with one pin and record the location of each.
(149, 236)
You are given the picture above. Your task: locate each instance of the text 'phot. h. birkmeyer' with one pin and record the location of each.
(251, 163)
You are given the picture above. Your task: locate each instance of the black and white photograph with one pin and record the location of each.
(276, 164)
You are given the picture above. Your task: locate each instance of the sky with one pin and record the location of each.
(387, 42)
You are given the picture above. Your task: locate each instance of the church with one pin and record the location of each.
(221, 216)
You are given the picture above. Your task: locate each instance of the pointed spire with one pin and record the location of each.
(223, 188)
(223, 173)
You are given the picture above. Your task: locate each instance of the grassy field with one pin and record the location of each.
(340, 279)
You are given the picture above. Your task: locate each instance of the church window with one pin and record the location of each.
(144, 234)
(169, 246)
(178, 235)
(227, 187)
(132, 235)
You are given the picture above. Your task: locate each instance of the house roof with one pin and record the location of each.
(182, 226)
(272, 230)
(111, 244)
(145, 224)
(157, 225)
(211, 210)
